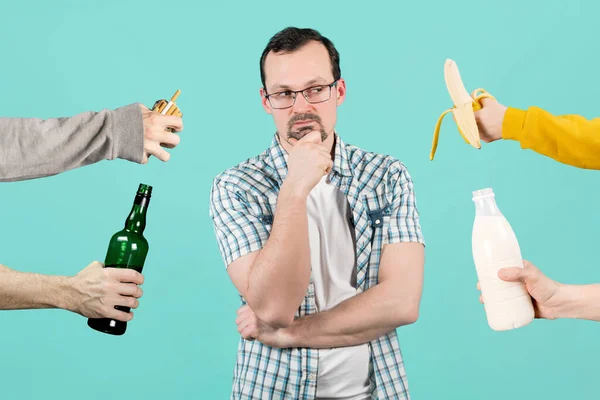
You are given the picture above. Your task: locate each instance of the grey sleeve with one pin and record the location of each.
(33, 148)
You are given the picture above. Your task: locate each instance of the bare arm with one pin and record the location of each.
(553, 299)
(281, 270)
(93, 292)
(393, 302)
(21, 290)
(272, 270)
(580, 301)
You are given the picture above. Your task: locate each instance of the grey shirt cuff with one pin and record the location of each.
(128, 133)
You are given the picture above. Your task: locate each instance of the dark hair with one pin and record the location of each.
(291, 39)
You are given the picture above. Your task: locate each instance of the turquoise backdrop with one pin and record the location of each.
(63, 57)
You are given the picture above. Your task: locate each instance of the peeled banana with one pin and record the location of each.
(464, 108)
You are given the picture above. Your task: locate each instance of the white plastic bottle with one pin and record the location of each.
(495, 246)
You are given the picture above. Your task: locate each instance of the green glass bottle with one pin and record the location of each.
(127, 249)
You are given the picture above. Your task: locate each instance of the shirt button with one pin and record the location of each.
(312, 377)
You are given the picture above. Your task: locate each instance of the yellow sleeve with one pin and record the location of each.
(569, 139)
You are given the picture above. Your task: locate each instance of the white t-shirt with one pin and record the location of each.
(343, 372)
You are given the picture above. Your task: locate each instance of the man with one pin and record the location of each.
(321, 239)
(569, 139)
(33, 148)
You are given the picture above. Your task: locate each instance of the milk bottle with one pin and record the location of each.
(495, 246)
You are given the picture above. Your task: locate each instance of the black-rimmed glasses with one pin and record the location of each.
(287, 98)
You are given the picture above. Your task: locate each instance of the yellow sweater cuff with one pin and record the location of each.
(512, 125)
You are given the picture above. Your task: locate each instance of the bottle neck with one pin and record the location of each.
(136, 221)
(485, 206)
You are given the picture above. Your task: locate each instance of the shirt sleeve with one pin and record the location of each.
(404, 219)
(34, 148)
(239, 231)
(570, 139)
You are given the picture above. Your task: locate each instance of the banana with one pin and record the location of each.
(464, 108)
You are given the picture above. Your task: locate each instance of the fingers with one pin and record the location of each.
(481, 299)
(249, 333)
(243, 309)
(322, 149)
(125, 275)
(242, 317)
(486, 101)
(124, 301)
(246, 322)
(242, 323)
(247, 327)
(312, 137)
(113, 313)
(169, 139)
(478, 286)
(324, 160)
(153, 148)
(328, 166)
(158, 130)
(168, 121)
(130, 289)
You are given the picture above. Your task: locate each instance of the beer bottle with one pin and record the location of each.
(127, 249)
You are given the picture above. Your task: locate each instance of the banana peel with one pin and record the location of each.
(463, 112)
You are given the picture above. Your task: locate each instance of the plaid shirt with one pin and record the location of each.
(380, 192)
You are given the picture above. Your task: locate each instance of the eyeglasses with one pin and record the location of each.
(287, 98)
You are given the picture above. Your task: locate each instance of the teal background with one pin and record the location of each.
(62, 57)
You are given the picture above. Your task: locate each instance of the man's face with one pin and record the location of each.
(305, 68)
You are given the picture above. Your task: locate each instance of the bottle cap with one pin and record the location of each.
(144, 190)
(481, 193)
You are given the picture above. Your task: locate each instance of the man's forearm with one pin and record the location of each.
(360, 319)
(581, 302)
(21, 290)
(279, 277)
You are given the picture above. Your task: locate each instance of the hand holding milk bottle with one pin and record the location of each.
(495, 246)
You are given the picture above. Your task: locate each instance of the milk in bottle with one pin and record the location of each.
(495, 246)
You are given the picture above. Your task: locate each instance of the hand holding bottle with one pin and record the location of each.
(546, 294)
(95, 291)
(127, 251)
(495, 245)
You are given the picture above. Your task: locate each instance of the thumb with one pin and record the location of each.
(512, 274)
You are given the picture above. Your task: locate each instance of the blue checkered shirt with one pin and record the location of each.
(380, 192)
